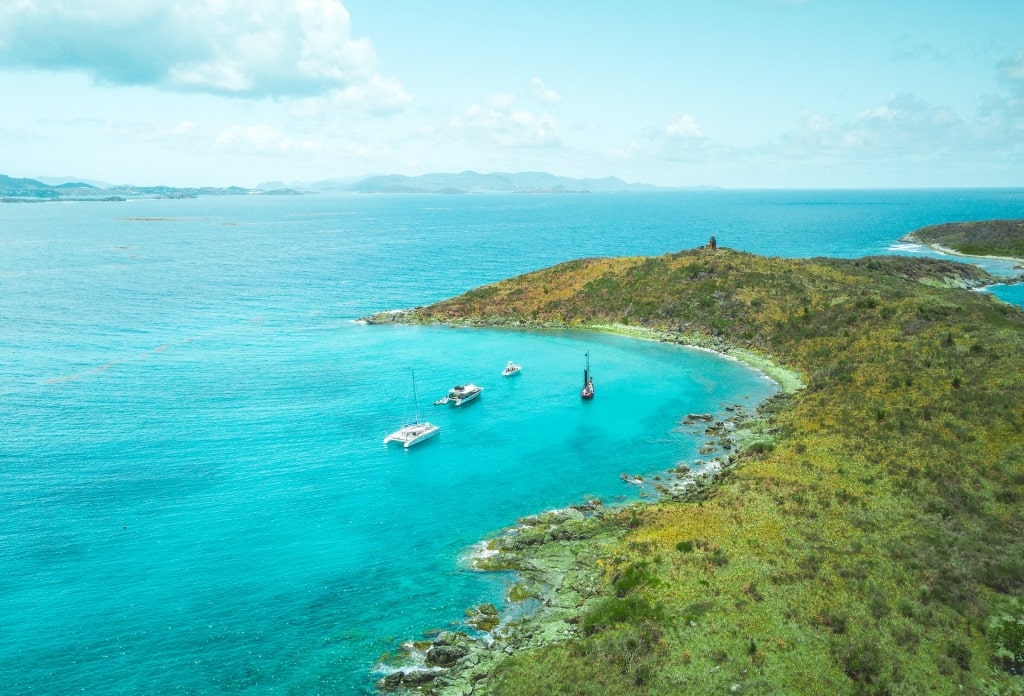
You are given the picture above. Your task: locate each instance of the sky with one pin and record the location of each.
(730, 93)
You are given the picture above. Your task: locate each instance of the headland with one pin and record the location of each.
(982, 239)
(866, 538)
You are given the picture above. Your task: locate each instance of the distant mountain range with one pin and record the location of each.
(14, 190)
(47, 189)
(473, 182)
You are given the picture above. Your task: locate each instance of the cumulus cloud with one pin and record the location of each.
(378, 95)
(1001, 123)
(906, 121)
(184, 129)
(262, 139)
(244, 48)
(542, 93)
(903, 124)
(679, 140)
(906, 129)
(498, 120)
(683, 126)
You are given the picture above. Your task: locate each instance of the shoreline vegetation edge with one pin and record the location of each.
(556, 554)
(559, 555)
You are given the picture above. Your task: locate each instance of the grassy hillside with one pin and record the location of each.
(984, 238)
(873, 544)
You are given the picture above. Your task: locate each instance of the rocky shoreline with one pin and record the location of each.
(815, 539)
(556, 557)
(1018, 263)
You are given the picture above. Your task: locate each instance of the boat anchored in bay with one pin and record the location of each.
(511, 369)
(414, 432)
(587, 392)
(460, 394)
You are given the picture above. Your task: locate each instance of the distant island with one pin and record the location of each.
(861, 533)
(34, 190)
(472, 182)
(982, 238)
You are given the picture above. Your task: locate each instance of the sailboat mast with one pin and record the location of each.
(415, 400)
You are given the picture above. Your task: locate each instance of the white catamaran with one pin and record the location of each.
(416, 431)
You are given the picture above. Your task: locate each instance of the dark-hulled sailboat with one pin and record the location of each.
(587, 392)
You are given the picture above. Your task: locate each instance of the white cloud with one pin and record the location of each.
(263, 139)
(905, 121)
(378, 95)
(542, 93)
(501, 120)
(244, 48)
(497, 121)
(1001, 123)
(185, 128)
(679, 140)
(683, 126)
(908, 128)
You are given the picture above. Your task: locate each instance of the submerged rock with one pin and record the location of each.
(483, 617)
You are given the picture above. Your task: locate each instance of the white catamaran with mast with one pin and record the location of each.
(416, 431)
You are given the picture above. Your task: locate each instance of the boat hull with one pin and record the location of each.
(461, 395)
(587, 392)
(410, 435)
(458, 401)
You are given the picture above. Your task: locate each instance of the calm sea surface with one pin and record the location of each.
(194, 495)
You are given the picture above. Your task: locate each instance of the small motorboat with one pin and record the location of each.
(511, 369)
(460, 394)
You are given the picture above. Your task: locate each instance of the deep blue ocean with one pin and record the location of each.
(194, 493)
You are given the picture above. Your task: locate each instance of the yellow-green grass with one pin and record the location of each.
(874, 545)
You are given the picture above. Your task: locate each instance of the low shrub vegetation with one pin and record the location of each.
(982, 238)
(873, 544)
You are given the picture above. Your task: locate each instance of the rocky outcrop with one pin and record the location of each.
(445, 655)
(555, 556)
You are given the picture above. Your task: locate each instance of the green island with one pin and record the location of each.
(981, 238)
(862, 534)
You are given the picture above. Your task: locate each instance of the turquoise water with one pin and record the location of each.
(1014, 294)
(194, 495)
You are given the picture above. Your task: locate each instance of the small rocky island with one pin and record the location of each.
(861, 533)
